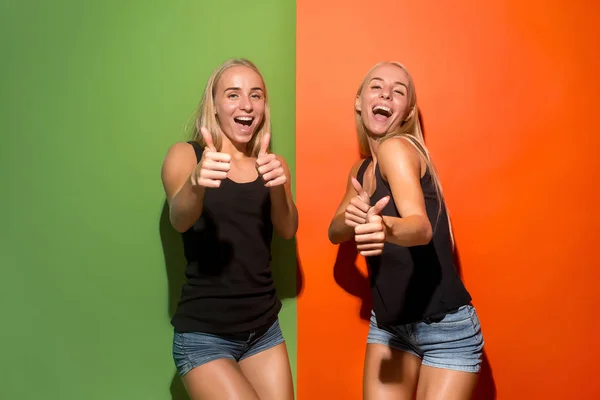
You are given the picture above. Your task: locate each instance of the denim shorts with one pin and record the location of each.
(454, 342)
(191, 350)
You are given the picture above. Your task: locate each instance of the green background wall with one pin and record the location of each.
(93, 94)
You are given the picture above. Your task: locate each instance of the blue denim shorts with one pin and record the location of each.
(190, 350)
(454, 342)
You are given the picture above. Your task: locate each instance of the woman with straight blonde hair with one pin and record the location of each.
(227, 194)
(424, 336)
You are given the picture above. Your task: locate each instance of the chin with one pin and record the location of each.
(377, 131)
(239, 137)
(242, 139)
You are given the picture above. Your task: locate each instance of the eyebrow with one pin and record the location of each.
(237, 88)
(397, 82)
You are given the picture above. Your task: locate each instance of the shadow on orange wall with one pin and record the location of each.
(350, 278)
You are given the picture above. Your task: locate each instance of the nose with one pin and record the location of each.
(245, 104)
(385, 94)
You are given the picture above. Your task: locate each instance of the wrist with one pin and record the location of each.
(278, 190)
(388, 227)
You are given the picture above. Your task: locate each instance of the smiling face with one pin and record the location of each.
(384, 99)
(239, 99)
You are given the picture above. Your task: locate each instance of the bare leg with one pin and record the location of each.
(220, 379)
(270, 374)
(446, 384)
(389, 373)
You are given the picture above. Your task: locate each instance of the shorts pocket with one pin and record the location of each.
(461, 317)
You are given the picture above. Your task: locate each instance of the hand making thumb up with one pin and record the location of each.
(213, 167)
(357, 208)
(268, 166)
(370, 236)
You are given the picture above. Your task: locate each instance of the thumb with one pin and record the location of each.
(379, 206)
(264, 144)
(207, 139)
(360, 191)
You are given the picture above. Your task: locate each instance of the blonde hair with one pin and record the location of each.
(206, 115)
(409, 129)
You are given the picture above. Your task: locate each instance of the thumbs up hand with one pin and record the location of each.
(213, 167)
(370, 236)
(268, 166)
(356, 211)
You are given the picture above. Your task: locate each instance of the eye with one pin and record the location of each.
(232, 95)
(400, 92)
(375, 87)
(256, 96)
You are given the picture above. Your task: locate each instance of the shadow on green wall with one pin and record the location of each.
(286, 273)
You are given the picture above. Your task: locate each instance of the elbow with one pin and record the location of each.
(420, 234)
(178, 224)
(332, 237)
(287, 234)
(180, 227)
(287, 231)
(425, 233)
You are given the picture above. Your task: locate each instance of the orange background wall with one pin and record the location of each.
(509, 92)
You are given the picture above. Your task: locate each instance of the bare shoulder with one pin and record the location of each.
(398, 154)
(398, 146)
(180, 149)
(180, 155)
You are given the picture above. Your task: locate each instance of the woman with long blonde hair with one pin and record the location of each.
(227, 194)
(424, 336)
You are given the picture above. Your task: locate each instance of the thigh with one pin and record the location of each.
(392, 364)
(267, 366)
(445, 384)
(220, 379)
(269, 373)
(452, 350)
(389, 373)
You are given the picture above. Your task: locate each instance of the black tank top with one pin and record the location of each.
(412, 284)
(229, 286)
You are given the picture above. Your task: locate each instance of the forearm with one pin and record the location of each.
(186, 206)
(410, 231)
(284, 213)
(339, 231)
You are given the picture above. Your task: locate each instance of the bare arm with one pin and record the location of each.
(400, 165)
(284, 213)
(184, 180)
(341, 228)
(185, 200)
(275, 173)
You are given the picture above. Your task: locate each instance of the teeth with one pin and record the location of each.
(384, 108)
(244, 118)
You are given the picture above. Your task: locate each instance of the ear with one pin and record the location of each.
(357, 104)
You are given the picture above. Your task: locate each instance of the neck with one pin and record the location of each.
(236, 150)
(373, 146)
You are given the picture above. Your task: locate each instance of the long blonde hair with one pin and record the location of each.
(410, 129)
(207, 117)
